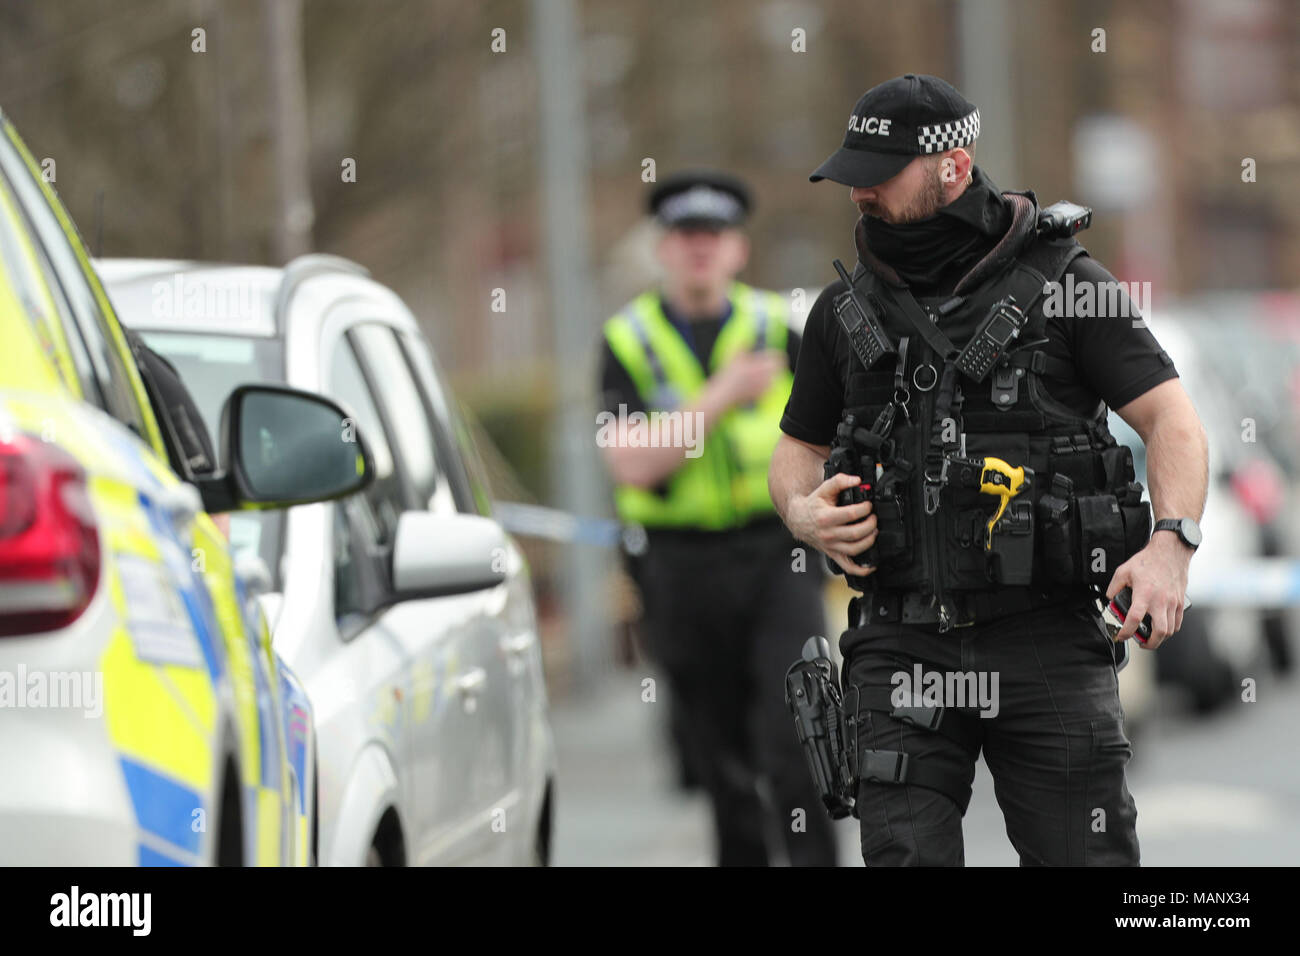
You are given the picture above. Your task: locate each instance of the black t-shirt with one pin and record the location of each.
(1112, 361)
(617, 386)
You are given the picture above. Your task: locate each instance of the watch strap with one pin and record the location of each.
(1176, 526)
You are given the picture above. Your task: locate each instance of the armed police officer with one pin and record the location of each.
(725, 606)
(945, 445)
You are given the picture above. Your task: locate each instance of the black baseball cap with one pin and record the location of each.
(700, 197)
(896, 121)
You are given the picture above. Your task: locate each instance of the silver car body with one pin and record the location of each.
(434, 745)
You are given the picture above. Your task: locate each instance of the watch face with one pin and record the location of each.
(1191, 532)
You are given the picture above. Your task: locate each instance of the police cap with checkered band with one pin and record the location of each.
(893, 123)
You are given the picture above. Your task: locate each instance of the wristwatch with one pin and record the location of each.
(1188, 531)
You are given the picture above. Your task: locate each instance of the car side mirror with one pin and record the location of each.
(285, 446)
(437, 555)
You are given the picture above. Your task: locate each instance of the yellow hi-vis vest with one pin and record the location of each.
(726, 485)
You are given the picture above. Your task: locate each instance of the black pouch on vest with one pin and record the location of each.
(891, 529)
(1116, 467)
(894, 532)
(1058, 533)
(1101, 537)
(1137, 521)
(967, 557)
(1011, 557)
(1080, 467)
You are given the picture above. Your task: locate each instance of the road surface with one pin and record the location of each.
(1218, 791)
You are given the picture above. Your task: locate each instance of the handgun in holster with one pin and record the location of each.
(812, 693)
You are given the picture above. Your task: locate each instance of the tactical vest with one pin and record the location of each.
(726, 485)
(1078, 518)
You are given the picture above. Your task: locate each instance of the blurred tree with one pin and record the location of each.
(166, 150)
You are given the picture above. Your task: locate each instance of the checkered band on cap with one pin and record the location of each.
(962, 132)
(701, 202)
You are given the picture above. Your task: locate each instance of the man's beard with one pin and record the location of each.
(928, 201)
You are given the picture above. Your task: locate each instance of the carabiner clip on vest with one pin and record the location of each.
(934, 482)
(902, 395)
(936, 457)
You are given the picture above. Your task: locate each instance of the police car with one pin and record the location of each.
(144, 718)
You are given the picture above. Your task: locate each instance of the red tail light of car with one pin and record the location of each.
(49, 544)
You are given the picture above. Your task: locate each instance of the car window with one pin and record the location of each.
(212, 366)
(407, 412)
(365, 524)
(88, 322)
(349, 596)
(384, 498)
(463, 465)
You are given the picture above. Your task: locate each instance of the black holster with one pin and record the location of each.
(813, 695)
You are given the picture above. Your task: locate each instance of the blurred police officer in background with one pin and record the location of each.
(974, 571)
(727, 602)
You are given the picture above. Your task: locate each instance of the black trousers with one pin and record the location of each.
(1056, 747)
(726, 614)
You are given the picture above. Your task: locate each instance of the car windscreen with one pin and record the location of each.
(212, 366)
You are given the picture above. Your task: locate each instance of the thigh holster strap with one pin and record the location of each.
(931, 718)
(894, 767)
(923, 717)
(881, 698)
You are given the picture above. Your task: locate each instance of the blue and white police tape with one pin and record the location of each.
(1253, 582)
(538, 521)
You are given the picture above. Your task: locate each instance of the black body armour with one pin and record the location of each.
(939, 447)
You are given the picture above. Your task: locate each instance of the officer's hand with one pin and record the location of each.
(1158, 576)
(747, 376)
(838, 532)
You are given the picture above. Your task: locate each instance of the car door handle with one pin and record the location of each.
(469, 685)
(515, 650)
(518, 645)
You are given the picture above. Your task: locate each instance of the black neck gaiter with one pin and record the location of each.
(940, 249)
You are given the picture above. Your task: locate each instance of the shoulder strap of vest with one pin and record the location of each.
(1039, 362)
(1042, 261)
(1051, 257)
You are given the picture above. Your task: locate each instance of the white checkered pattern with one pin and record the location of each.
(701, 202)
(962, 132)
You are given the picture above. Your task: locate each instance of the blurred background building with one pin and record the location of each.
(406, 134)
(163, 151)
